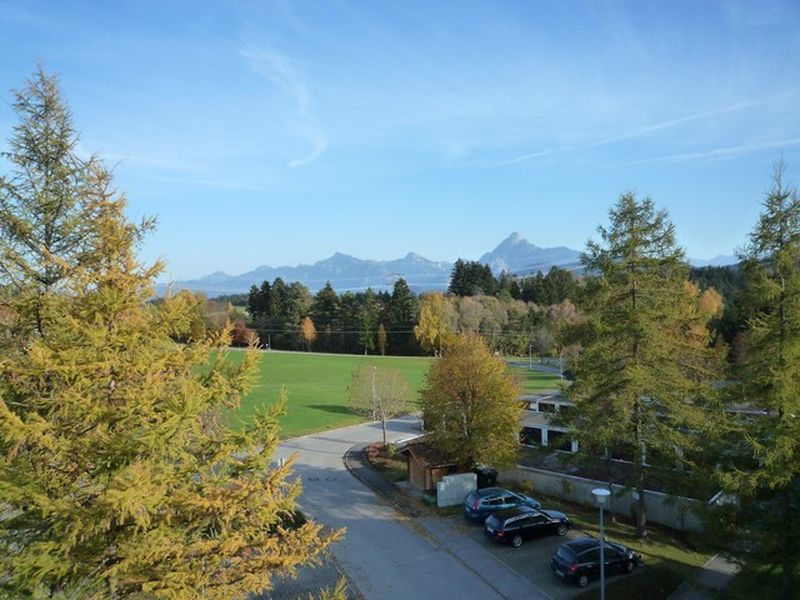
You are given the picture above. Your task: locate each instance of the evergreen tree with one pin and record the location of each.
(369, 319)
(402, 316)
(325, 312)
(118, 476)
(471, 278)
(459, 284)
(763, 529)
(640, 379)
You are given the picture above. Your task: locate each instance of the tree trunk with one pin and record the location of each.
(383, 425)
(641, 509)
(790, 558)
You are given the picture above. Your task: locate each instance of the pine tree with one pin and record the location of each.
(640, 378)
(763, 529)
(118, 474)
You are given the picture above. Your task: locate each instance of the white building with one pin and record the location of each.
(536, 429)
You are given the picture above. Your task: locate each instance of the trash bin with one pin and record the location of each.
(487, 477)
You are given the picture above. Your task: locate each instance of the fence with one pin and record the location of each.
(671, 511)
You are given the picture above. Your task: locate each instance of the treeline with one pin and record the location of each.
(516, 316)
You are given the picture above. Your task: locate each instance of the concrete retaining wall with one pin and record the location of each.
(675, 512)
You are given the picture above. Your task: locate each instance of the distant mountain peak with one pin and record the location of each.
(517, 255)
(345, 272)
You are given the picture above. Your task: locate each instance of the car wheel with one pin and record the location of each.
(562, 529)
(583, 581)
(629, 566)
(516, 541)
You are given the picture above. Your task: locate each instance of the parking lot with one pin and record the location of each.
(531, 560)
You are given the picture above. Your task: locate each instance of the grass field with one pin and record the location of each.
(317, 385)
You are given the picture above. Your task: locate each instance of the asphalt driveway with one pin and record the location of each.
(389, 555)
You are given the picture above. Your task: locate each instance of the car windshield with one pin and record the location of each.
(566, 554)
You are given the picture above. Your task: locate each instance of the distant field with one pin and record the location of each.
(317, 385)
(536, 381)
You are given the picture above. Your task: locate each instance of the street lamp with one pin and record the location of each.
(600, 495)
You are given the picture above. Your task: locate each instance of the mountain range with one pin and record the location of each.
(514, 254)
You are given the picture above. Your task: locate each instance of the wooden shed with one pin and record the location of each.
(426, 465)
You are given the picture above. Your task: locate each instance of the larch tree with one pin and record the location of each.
(641, 379)
(470, 404)
(308, 331)
(380, 393)
(43, 208)
(382, 339)
(762, 529)
(119, 477)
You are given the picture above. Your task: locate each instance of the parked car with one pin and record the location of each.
(517, 524)
(579, 560)
(481, 503)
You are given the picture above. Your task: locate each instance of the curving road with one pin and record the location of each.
(385, 556)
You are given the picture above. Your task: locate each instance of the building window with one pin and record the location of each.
(559, 440)
(530, 436)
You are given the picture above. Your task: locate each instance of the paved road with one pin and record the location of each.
(383, 553)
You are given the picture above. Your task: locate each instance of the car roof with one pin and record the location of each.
(581, 544)
(515, 512)
(491, 491)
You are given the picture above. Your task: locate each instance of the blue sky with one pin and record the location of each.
(280, 132)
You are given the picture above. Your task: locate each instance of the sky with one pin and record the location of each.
(279, 132)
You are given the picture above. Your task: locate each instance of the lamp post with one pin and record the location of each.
(600, 495)
(530, 357)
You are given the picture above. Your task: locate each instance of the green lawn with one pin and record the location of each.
(534, 382)
(317, 385)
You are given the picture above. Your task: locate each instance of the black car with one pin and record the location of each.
(517, 524)
(579, 560)
(481, 503)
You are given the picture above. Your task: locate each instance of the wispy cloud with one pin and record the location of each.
(281, 73)
(524, 157)
(728, 151)
(648, 129)
(637, 133)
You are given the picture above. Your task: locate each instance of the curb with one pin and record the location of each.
(351, 454)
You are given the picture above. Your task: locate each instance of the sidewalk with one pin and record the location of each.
(505, 581)
(709, 579)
